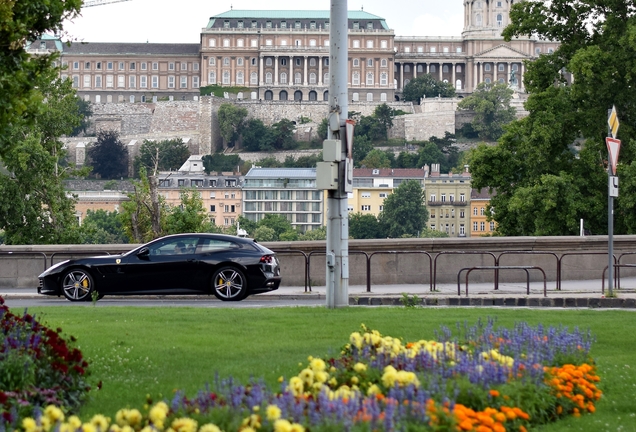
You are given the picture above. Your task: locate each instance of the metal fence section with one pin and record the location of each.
(567, 254)
(494, 258)
(306, 264)
(497, 268)
(556, 257)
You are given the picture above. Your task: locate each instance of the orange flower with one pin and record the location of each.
(494, 393)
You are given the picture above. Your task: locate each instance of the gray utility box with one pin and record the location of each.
(327, 175)
(332, 150)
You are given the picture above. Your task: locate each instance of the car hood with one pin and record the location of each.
(88, 261)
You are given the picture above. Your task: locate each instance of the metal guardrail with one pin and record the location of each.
(281, 252)
(556, 257)
(497, 268)
(459, 253)
(577, 254)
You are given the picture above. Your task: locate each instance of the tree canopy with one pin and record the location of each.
(108, 155)
(169, 155)
(427, 86)
(491, 104)
(404, 213)
(231, 119)
(22, 22)
(549, 169)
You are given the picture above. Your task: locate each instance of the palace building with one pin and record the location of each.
(284, 55)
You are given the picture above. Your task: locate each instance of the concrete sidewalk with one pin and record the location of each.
(580, 293)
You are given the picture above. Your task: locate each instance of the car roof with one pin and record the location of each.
(210, 235)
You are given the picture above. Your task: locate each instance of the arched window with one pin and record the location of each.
(406, 82)
(239, 61)
(445, 69)
(240, 78)
(478, 19)
(325, 95)
(384, 79)
(268, 61)
(212, 78)
(312, 62)
(226, 42)
(298, 95)
(268, 78)
(355, 97)
(212, 42)
(283, 78)
(325, 79)
(499, 20)
(254, 78)
(458, 85)
(212, 61)
(356, 62)
(383, 63)
(282, 95)
(313, 96)
(407, 68)
(487, 67)
(240, 43)
(355, 79)
(370, 79)
(312, 79)
(226, 77)
(420, 68)
(297, 78)
(226, 61)
(433, 68)
(369, 97)
(269, 95)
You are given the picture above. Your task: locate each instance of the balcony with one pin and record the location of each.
(435, 203)
(460, 203)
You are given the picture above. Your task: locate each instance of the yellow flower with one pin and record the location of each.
(113, 428)
(45, 423)
(318, 364)
(127, 429)
(74, 422)
(158, 414)
(100, 422)
(252, 421)
(210, 428)
(296, 386)
(282, 425)
(248, 429)
(29, 425)
(321, 376)
(354, 380)
(89, 427)
(356, 340)
(373, 390)
(273, 413)
(389, 376)
(184, 424)
(360, 367)
(295, 427)
(54, 413)
(307, 375)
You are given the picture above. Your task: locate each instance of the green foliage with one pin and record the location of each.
(283, 135)
(376, 159)
(166, 155)
(139, 212)
(315, 234)
(430, 154)
(427, 86)
(410, 301)
(559, 148)
(278, 223)
(86, 111)
(20, 72)
(264, 234)
(102, 227)
(384, 115)
(323, 129)
(231, 120)
(491, 104)
(362, 145)
(404, 211)
(219, 162)
(219, 91)
(108, 156)
(188, 217)
(364, 226)
(34, 207)
(254, 135)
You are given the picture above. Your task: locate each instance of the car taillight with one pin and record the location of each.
(266, 259)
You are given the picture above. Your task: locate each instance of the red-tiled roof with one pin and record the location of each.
(482, 194)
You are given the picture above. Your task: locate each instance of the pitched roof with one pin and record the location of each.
(116, 48)
(481, 194)
(390, 172)
(291, 14)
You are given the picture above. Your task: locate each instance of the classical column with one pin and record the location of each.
(475, 75)
(453, 74)
(441, 74)
(481, 73)
(508, 73)
(305, 71)
(414, 70)
(521, 77)
(401, 76)
(426, 67)
(275, 70)
(260, 70)
(290, 81)
(232, 71)
(320, 71)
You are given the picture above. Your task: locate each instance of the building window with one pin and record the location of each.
(98, 81)
(382, 97)
(268, 61)
(297, 25)
(155, 66)
(226, 77)
(75, 65)
(226, 24)
(312, 42)
(226, 61)
(143, 81)
(355, 80)
(240, 43)
(356, 62)
(312, 62)
(240, 78)
(121, 81)
(254, 43)
(370, 62)
(132, 81)
(109, 81)
(121, 66)
(369, 97)
(212, 78)
(492, 226)
(171, 81)
(433, 68)
(297, 78)
(87, 65)
(502, 67)
(482, 211)
(195, 82)
(87, 81)
(239, 24)
(383, 44)
(370, 44)
(366, 208)
(283, 62)
(254, 78)
(155, 81)
(356, 44)
(211, 42)
(370, 80)
(312, 78)
(475, 226)
(366, 195)
(183, 82)
(268, 78)
(482, 226)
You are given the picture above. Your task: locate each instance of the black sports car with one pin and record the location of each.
(229, 267)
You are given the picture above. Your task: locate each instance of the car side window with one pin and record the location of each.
(213, 245)
(180, 246)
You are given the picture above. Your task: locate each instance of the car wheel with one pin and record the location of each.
(77, 285)
(229, 284)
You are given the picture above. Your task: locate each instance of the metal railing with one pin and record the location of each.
(497, 268)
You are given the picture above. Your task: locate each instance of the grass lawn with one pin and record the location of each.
(155, 351)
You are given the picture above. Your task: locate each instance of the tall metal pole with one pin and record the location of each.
(610, 220)
(337, 216)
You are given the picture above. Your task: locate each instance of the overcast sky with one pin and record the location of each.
(182, 20)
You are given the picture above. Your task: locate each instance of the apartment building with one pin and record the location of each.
(479, 223)
(371, 186)
(289, 192)
(447, 200)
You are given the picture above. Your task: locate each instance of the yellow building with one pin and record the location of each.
(480, 226)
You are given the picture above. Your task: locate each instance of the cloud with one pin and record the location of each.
(431, 25)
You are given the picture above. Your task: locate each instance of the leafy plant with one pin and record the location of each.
(410, 301)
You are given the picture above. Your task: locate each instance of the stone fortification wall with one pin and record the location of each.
(175, 116)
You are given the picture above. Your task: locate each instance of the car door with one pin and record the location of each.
(164, 266)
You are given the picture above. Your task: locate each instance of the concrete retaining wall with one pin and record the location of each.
(582, 258)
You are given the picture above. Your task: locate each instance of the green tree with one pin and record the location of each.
(323, 129)
(314, 234)
(364, 226)
(166, 155)
(143, 215)
(86, 111)
(278, 223)
(34, 207)
(407, 160)
(376, 159)
(290, 235)
(283, 135)
(20, 72)
(231, 119)
(404, 213)
(384, 115)
(430, 154)
(102, 227)
(254, 135)
(108, 156)
(362, 145)
(264, 233)
(219, 162)
(559, 148)
(427, 86)
(189, 216)
(491, 104)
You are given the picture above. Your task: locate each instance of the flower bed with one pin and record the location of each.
(37, 367)
(486, 379)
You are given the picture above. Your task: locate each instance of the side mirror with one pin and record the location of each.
(143, 253)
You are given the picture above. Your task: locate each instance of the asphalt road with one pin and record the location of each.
(250, 302)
